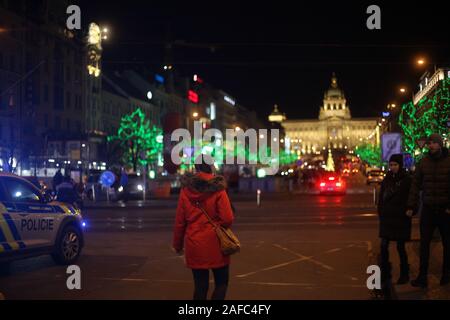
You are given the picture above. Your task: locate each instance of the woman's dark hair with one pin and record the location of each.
(201, 165)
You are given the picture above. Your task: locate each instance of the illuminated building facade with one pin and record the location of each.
(335, 129)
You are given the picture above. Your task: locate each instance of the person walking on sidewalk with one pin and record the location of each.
(196, 234)
(432, 177)
(395, 225)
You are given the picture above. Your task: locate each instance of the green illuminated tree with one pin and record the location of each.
(430, 115)
(370, 154)
(140, 141)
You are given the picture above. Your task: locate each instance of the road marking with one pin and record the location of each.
(301, 258)
(333, 250)
(285, 284)
(323, 265)
(271, 267)
(273, 284)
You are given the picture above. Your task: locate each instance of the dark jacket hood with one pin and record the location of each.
(203, 183)
(444, 153)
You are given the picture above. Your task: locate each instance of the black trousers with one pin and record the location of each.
(401, 249)
(431, 219)
(201, 282)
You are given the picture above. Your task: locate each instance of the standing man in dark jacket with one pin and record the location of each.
(395, 225)
(432, 177)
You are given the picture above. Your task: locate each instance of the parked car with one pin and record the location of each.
(134, 189)
(34, 224)
(332, 183)
(375, 176)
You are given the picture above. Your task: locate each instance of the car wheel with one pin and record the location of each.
(68, 246)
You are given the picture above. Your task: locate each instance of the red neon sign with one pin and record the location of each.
(192, 96)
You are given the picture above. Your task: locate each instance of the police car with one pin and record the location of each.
(32, 224)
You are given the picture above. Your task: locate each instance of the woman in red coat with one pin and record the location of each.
(196, 234)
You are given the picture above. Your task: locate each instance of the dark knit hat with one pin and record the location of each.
(397, 158)
(436, 138)
(203, 163)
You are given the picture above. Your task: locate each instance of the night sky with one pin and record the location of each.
(281, 51)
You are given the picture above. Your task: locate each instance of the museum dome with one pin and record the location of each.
(334, 92)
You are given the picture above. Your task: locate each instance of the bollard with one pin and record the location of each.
(258, 197)
(375, 196)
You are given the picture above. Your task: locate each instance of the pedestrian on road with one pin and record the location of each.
(57, 179)
(196, 234)
(432, 177)
(395, 225)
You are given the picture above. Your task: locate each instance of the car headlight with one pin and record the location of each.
(120, 189)
(140, 187)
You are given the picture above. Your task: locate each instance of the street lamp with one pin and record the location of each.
(195, 114)
(420, 62)
(105, 33)
(402, 90)
(238, 129)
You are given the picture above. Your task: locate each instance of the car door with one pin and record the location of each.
(9, 238)
(33, 221)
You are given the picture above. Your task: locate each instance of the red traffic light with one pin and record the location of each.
(192, 96)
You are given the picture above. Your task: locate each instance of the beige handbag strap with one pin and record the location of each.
(197, 204)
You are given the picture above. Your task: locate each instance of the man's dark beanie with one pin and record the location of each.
(397, 158)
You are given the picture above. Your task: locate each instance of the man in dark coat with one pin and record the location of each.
(57, 179)
(432, 177)
(395, 225)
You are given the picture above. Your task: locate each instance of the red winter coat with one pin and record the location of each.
(192, 229)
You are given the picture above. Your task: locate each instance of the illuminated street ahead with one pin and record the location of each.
(294, 247)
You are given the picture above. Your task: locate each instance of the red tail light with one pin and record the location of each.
(331, 178)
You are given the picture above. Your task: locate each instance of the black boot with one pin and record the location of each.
(404, 274)
(421, 281)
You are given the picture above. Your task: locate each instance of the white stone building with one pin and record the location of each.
(335, 129)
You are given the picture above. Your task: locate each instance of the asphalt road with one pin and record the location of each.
(295, 246)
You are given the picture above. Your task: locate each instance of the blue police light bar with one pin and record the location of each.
(386, 114)
(159, 78)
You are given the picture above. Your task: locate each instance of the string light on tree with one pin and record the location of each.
(140, 141)
(430, 115)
